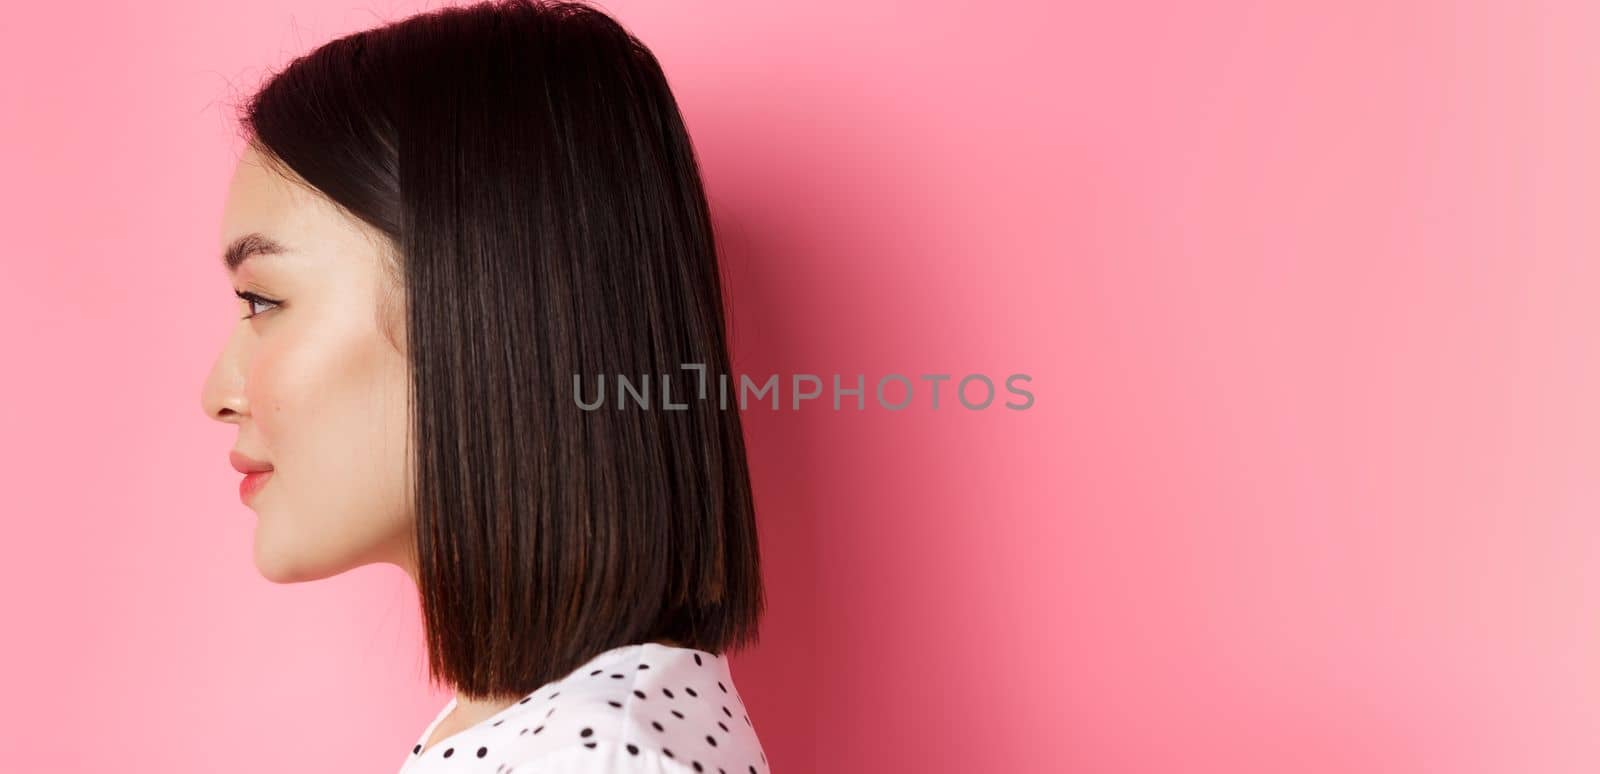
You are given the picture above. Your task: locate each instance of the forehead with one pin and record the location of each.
(260, 200)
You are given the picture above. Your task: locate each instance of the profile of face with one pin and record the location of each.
(314, 377)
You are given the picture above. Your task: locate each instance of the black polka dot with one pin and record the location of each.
(670, 740)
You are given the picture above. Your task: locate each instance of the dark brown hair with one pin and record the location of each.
(531, 168)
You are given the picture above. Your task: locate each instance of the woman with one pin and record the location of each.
(449, 233)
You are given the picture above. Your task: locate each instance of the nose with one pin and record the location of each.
(222, 397)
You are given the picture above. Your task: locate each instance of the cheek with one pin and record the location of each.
(264, 395)
(330, 409)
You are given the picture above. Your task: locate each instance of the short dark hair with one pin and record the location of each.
(530, 165)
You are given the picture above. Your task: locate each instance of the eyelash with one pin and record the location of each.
(253, 298)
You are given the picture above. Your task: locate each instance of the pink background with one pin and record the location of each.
(1308, 296)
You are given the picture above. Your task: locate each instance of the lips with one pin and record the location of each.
(245, 464)
(252, 483)
(255, 473)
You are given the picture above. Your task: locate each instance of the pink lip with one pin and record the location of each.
(252, 483)
(245, 464)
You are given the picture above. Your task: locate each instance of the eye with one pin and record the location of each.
(253, 299)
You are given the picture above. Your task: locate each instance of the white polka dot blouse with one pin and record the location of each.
(645, 708)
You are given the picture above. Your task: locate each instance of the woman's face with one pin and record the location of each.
(312, 383)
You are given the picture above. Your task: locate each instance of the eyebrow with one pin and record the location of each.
(247, 246)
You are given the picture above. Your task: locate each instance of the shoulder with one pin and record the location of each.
(604, 757)
(653, 708)
(645, 710)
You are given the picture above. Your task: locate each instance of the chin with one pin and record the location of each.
(287, 566)
(287, 550)
(297, 564)
(282, 572)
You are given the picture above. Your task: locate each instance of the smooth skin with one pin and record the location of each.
(317, 389)
(315, 379)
